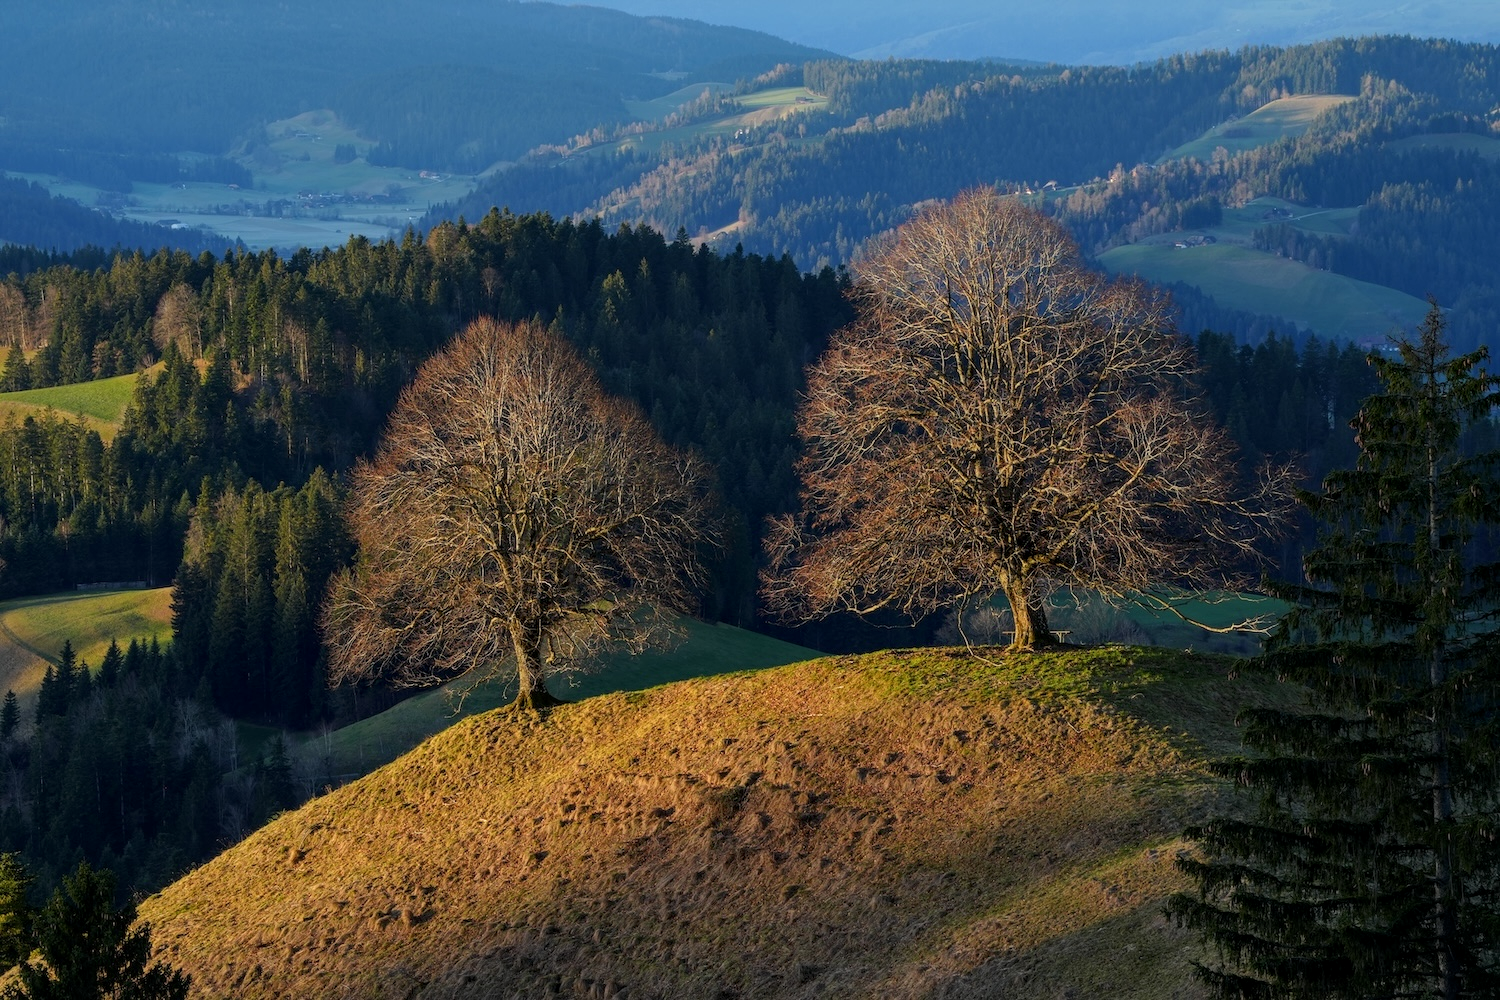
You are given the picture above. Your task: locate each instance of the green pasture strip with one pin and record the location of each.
(32, 630)
(660, 107)
(1240, 223)
(1330, 304)
(103, 399)
(705, 651)
(1289, 116)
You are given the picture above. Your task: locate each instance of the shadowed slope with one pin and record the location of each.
(900, 825)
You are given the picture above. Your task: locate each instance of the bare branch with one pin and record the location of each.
(1002, 419)
(515, 517)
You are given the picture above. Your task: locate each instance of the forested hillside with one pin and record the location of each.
(102, 85)
(30, 217)
(1410, 163)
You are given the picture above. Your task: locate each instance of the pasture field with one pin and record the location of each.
(660, 107)
(1289, 116)
(32, 630)
(706, 650)
(912, 823)
(297, 161)
(1240, 223)
(759, 108)
(1330, 304)
(101, 402)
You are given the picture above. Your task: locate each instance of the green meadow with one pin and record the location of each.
(101, 403)
(1289, 116)
(33, 629)
(1240, 278)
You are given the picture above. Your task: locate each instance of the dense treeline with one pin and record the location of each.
(125, 768)
(32, 217)
(246, 597)
(432, 119)
(117, 171)
(305, 355)
(73, 511)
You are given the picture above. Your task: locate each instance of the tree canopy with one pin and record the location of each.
(515, 513)
(1368, 866)
(1001, 419)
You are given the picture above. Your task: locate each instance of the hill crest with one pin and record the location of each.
(902, 824)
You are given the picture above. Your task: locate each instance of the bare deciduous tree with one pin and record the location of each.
(515, 515)
(1002, 419)
(179, 321)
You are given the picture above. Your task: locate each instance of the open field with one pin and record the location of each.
(323, 203)
(1330, 304)
(759, 108)
(1240, 223)
(32, 630)
(706, 650)
(1289, 116)
(101, 403)
(660, 107)
(914, 823)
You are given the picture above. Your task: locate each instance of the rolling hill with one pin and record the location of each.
(33, 629)
(903, 824)
(100, 404)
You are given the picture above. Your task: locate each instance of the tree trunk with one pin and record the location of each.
(531, 694)
(1030, 616)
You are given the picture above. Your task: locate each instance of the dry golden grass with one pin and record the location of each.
(908, 824)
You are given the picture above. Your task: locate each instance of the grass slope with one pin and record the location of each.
(101, 403)
(918, 823)
(32, 630)
(1289, 116)
(759, 108)
(1330, 304)
(705, 650)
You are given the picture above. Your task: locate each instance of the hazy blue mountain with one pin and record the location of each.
(1120, 32)
(471, 77)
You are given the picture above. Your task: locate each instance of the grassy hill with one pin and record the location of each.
(32, 630)
(100, 403)
(904, 824)
(705, 650)
(1257, 282)
(1289, 116)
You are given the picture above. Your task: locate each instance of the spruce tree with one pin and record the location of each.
(1369, 864)
(10, 715)
(15, 911)
(109, 667)
(51, 699)
(90, 950)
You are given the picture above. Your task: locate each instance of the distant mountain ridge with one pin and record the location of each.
(1096, 32)
(1410, 164)
(162, 75)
